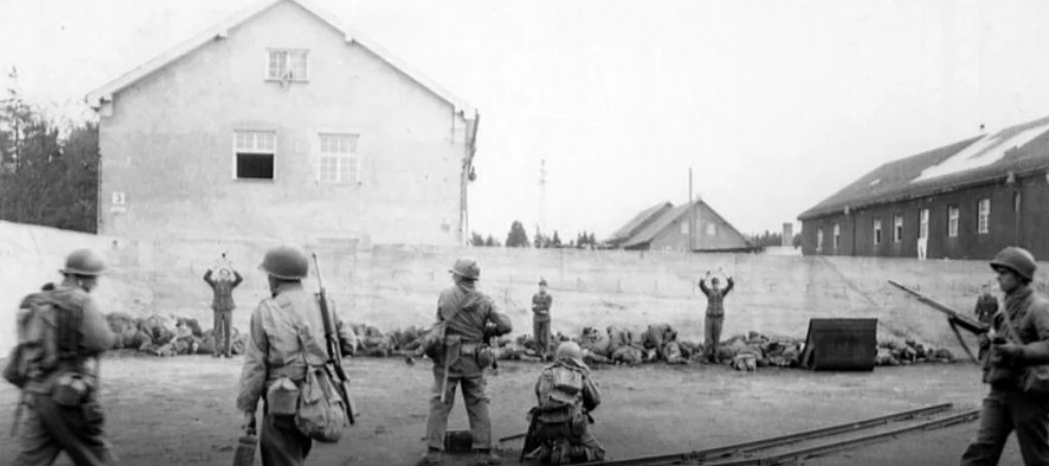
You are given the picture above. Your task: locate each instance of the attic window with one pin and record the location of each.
(287, 65)
(875, 182)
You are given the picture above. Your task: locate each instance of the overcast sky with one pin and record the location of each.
(774, 104)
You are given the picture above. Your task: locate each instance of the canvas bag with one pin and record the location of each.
(321, 413)
(36, 350)
(1034, 380)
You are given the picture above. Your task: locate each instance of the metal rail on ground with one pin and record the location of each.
(802, 453)
(729, 450)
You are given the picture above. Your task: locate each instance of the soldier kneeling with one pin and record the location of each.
(561, 423)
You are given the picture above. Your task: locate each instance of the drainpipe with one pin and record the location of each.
(464, 213)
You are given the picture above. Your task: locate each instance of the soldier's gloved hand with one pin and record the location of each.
(248, 424)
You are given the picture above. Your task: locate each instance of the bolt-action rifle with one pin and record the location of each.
(335, 350)
(953, 317)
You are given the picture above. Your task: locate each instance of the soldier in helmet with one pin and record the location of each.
(60, 390)
(566, 395)
(1020, 338)
(460, 357)
(274, 358)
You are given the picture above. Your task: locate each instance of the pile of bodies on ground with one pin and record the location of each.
(172, 335)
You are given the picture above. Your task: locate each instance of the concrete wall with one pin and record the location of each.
(392, 287)
(1006, 227)
(168, 145)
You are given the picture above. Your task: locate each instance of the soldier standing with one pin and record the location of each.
(274, 353)
(566, 394)
(222, 305)
(541, 303)
(1020, 337)
(460, 358)
(61, 390)
(715, 313)
(986, 307)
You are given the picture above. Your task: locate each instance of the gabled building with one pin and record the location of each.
(279, 122)
(634, 226)
(966, 200)
(665, 227)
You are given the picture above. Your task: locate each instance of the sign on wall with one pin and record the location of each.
(119, 202)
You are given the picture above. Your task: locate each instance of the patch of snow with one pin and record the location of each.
(986, 151)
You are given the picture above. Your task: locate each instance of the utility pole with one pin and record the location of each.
(542, 195)
(691, 215)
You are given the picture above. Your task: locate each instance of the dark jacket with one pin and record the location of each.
(223, 300)
(715, 298)
(1029, 313)
(477, 310)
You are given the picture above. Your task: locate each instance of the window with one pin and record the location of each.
(952, 221)
(984, 214)
(254, 153)
(339, 162)
(897, 228)
(837, 235)
(683, 227)
(285, 63)
(923, 229)
(877, 231)
(712, 229)
(819, 239)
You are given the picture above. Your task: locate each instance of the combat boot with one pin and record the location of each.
(489, 457)
(430, 458)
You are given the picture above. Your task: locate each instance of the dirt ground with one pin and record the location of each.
(180, 411)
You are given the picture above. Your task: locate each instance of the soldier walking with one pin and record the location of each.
(715, 313)
(566, 395)
(222, 305)
(59, 386)
(541, 303)
(986, 307)
(460, 358)
(1020, 337)
(274, 355)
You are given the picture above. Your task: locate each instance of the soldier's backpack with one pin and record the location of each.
(41, 326)
(321, 412)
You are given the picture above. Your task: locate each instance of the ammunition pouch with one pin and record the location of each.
(485, 356)
(282, 397)
(71, 389)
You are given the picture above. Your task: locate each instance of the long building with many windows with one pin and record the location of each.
(966, 200)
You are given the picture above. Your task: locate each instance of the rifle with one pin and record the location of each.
(334, 349)
(953, 317)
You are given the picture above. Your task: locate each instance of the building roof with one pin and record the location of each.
(668, 217)
(221, 31)
(640, 220)
(982, 159)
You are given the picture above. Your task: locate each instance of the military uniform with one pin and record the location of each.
(562, 417)
(541, 303)
(986, 307)
(273, 351)
(222, 305)
(469, 316)
(715, 315)
(46, 428)
(1006, 407)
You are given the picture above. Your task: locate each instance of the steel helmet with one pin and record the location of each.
(286, 262)
(83, 262)
(1019, 260)
(569, 350)
(467, 268)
